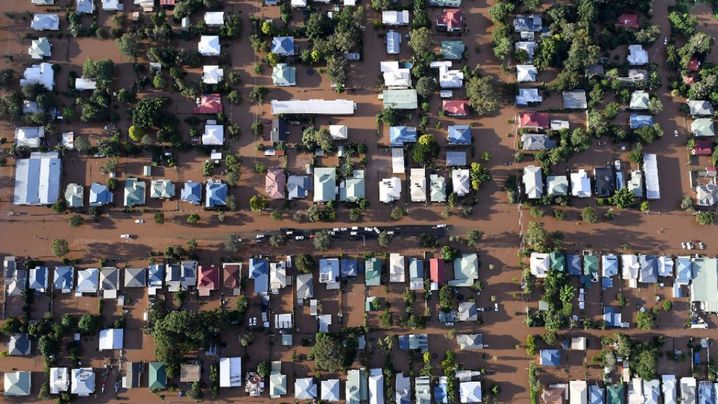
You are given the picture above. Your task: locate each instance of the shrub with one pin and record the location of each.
(193, 218)
(704, 218)
(76, 220)
(159, 217)
(588, 215)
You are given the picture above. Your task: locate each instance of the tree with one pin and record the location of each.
(644, 320)
(588, 215)
(82, 144)
(321, 240)
(12, 325)
(483, 94)
(447, 298)
(646, 364)
(448, 253)
(257, 94)
(426, 86)
(354, 214)
(317, 26)
(420, 42)
(276, 240)
(333, 353)
(531, 349)
(501, 10)
(99, 70)
(397, 213)
(59, 247)
(305, 264)
(258, 203)
(127, 96)
(76, 221)
(385, 239)
(159, 217)
(234, 97)
(59, 206)
(704, 218)
(623, 198)
(425, 150)
(264, 368)
(149, 112)
(128, 44)
(193, 218)
(684, 23)
(158, 82)
(473, 237)
(135, 133)
(338, 69)
(536, 237)
(88, 324)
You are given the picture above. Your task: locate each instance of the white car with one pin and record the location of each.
(126, 236)
(617, 165)
(299, 237)
(259, 236)
(139, 221)
(675, 132)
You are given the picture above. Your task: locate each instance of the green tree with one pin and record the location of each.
(448, 253)
(76, 221)
(705, 218)
(420, 42)
(644, 320)
(193, 218)
(232, 243)
(447, 298)
(88, 324)
(426, 86)
(305, 264)
(149, 112)
(473, 237)
(264, 368)
(159, 217)
(126, 95)
(385, 239)
(425, 150)
(397, 213)
(59, 247)
(321, 240)
(258, 203)
(12, 325)
(128, 44)
(536, 237)
(333, 353)
(483, 95)
(588, 215)
(60, 206)
(158, 81)
(338, 70)
(531, 346)
(623, 198)
(646, 364)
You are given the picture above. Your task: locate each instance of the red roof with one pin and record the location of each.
(534, 120)
(207, 277)
(456, 107)
(437, 270)
(167, 2)
(452, 18)
(209, 104)
(694, 64)
(704, 147)
(274, 183)
(231, 275)
(629, 19)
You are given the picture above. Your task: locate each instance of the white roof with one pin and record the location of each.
(230, 372)
(45, 22)
(299, 3)
(650, 169)
(112, 5)
(665, 265)
(82, 382)
(392, 17)
(580, 184)
(417, 185)
(214, 18)
(396, 78)
(339, 131)
(213, 135)
(460, 181)
(40, 48)
(59, 380)
(318, 107)
(526, 73)
(539, 264)
(376, 386)
(29, 136)
(578, 343)
(533, 182)
(637, 55)
(212, 74)
(397, 269)
(209, 45)
(448, 78)
(82, 84)
(305, 388)
(42, 74)
(397, 160)
(609, 263)
(389, 189)
(330, 390)
(629, 266)
(37, 179)
(578, 390)
(111, 338)
(528, 95)
(87, 280)
(470, 392)
(670, 392)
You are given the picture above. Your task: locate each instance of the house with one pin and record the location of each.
(533, 182)
(84, 6)
(459, 135)
(422, 390)
(213, 134)
(437, 271)
(190, 372)
(40, 48)
(389, 189)
(575, 99)
(437, 188)
(468, 311)
(706, 194)
(639, 100)
(451, 20)
(38, 279)
(444, 3)
(448, 79)
(29, 136)
(274, 183)
(135, 278)
(305, 388)
(394, 75)
(17, 383)
(298, 186)
(669, 389)
(539, 264)
(578, 390)
(455, 108)
(470, 392)
(209, 45)
(214, 18)
(215, 194)
(702, 127)
(59, 380)
(528, 96)
(604, 182)
(527, 47)
(534, 120)
(352, 188)
(162, 189)
(700, 108)
(556, 185)
(325, 184)
(650, 170)
(400, 99)
(395, 18)
(637, 121)
(609, 263)
(155, 278)
(19, 345)
(470, 341)
(596, 394)
(111, 339)
(329, 391)
(402, 388)
(688, 390)
(113, 5)
(703, 147)
(82, 382)
(109, 282)
(74, 194)
(460, 181)
(259, 271)
(416, 274)
(706, 392)
(637, 56)
(43, 2)
(376, 386)
(45, 22)
(329, 272)
(134, 192)
(280, 130)
(628, 20)
(684, 270)
(297, 3)
(212, 74)
(277, 381)
(305, 287)
(455, 158)
(284, 75)
(372, 272)
(63, 279)
(580, 184)
(635, 184)
(191, 192)
(665, 266)
(704, 288)
(231, 276)
(652, 391)
(554, 394)
(466, 270)
(400, 135)
(208, 104)
(526, 73)
(283, 45)
(313, 107)
(100, 195)
(230, 372)
(393, 42)
(37, 179)
(207, 279)
(356, 386)
(88, 280)
(397, 271)
(417, 185)
(528, 23)
(133, 373)
(452, 50)
(278, 276)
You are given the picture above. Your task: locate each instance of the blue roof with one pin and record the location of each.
(416, 268)
(100, 194)
(259, 271)
(216, 194)
(156, 274)
(63, 277)
(575, 265)
(398, 135)
(38, 278)
(192, 192)
(349, 267)
(283, 45)
(393, 41)
(459, 134)
(550, 357)
(404, 342)
(440, 393)
(638, 121)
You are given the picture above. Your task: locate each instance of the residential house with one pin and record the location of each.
(528, 23)
(376, 386)
(397, 270)
(451, 20)
(460, 181)
(30, 137)
(400, 99)
(213, 134)
(455, 158)
(437, 272)
(437, 188)
(135, 278)
(39, 74)
(284, 75)
(604, 181)
(134, 192)
(459, 135)
(109, 282)
(468, 311)
(212, 74)
(556, 185)
(298, 186)
(578, 392)
(329, 272)
(401, 135)
(526, 73)
(637, 121)
(422, 390)
(452, 49)
(575, 99)
(155, 278)
(393, 42)
(113, 5)
(214, 18)
(356, 386)
(628, 20)
(100, 195)
(40, 48)
(259, 271)
(207, 279)
(283, 45)
(534, 120)
(329, 390)
(162, 189)
(700, 108)
(526, 47)
(372, 271)
(609, 263)
(37, 179)
(45, 22)
(394, 75)
(191, 193)
(74, 194)
(455, 108)
(111, 339)
(215, 194)
(448, 79)
(305, 288)
(580, 184)
(466, 270)
(395, 18)
(17, 383)
(389, 189)
(640, 100)
(59, 380)
(278, 276)
(277, 381)
(402, 388)
(669, 389)
(305, 388)
(539, 264)
(208, 104)
(88, 280)
(63, 279)
(274, 183)
(325, 184)
(82, 382)
(533, 182)
(231, 277)
(470, 341)
(133, 373)
(688, 390)
(209, 45)
(417, 185)
(313, 107)
(637, 56)
(702, 127)
(470, 392)
(596, 394)
(190, 372)
(280, 130)
(19, 345)
(230, 372)
(351, 189)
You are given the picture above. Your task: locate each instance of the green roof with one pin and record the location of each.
(158, 376)
(558, 261)
(615, 394)
(452, 50)
(704, 287)
(590, 264)
(356, 386)
(400, 99)
(372, 272)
